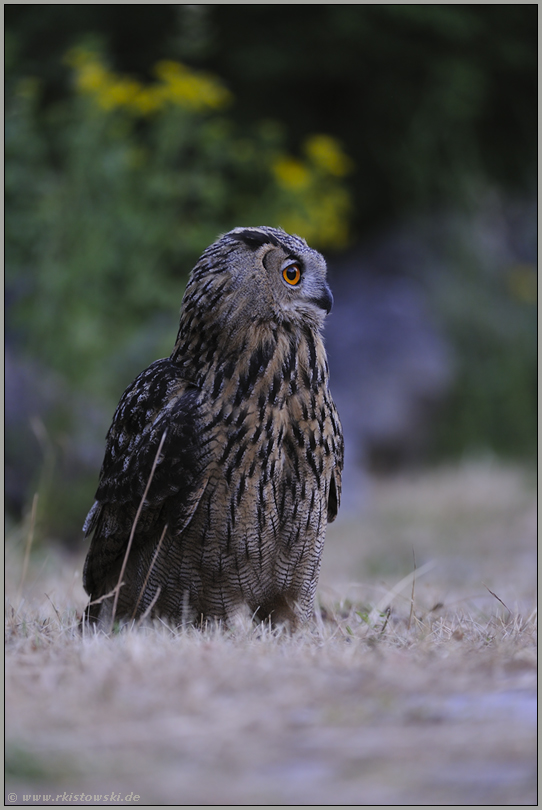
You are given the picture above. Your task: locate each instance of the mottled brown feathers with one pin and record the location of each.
(234, 519)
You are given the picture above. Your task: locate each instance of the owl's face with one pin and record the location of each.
(263, 274)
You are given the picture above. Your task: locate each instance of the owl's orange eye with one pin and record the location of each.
(292, 274)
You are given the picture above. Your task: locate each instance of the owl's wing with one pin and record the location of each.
(335, 486)
(158, 402)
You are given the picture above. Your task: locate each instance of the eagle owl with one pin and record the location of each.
(223, 462)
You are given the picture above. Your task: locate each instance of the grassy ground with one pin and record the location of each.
(416, 684)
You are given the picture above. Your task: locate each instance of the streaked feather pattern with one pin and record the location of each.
(249, 474)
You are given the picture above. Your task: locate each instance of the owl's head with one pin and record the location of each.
(261, 274)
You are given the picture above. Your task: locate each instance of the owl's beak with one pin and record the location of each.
(325, 299)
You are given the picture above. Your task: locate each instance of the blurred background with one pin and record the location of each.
(400, 140)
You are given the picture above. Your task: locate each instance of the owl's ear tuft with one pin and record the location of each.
(255, 238)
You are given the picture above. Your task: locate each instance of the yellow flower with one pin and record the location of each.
(178, 85)
(148, 100)
(187, 88)
(120, 93)
(291, 173)
(91, 78)
(326, 154)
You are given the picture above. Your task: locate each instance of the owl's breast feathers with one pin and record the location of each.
(272, 418)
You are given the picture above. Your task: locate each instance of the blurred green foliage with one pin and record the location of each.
(114, 191)
(486, 301)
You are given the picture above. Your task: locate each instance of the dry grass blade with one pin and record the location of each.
(29, 541)
(54, 608)
(376, 613)
(413, 589)
(132, 533)
(101, 599)
(151, 566)
(498, 599)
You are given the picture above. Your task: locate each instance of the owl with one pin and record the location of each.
(223, 462)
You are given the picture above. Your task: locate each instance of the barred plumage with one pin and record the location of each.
(249, 473)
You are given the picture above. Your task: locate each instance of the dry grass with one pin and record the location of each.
(416, 684)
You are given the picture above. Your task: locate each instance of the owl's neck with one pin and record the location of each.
(287, 358)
